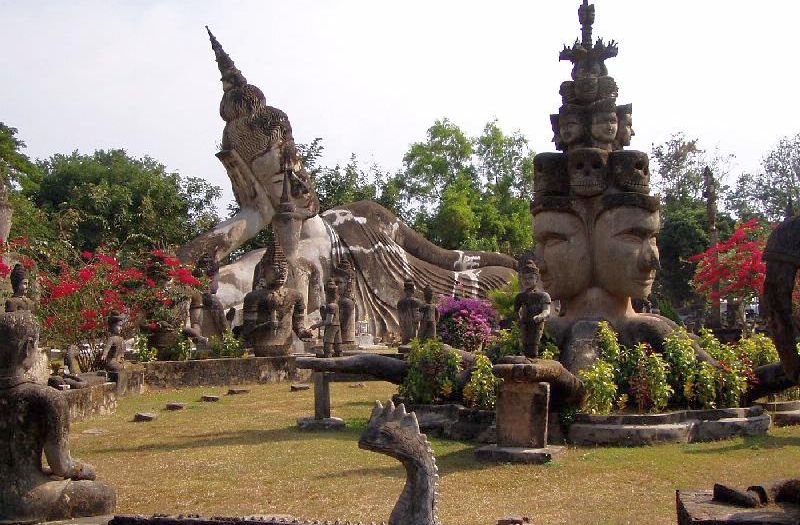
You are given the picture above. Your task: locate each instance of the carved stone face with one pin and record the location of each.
(625, 251)
(587, 168)
(625, 131)
(562, 253)
(570, 128)
(550, 174)
(586, 89)
(528, 280)
(268, 169)
(604, 127)
(631, 171)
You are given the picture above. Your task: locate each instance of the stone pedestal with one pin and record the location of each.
(322, 419)
(522, 418)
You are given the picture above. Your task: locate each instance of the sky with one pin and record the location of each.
(370, 77)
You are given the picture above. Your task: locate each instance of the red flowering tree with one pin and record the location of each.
(733, 269)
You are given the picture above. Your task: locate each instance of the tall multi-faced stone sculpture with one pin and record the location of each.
(34, 421)
(272, 188)
(596, 223)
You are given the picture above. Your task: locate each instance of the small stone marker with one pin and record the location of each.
(209, 398)
(174, 405)
(238, 391)
(357, 385)
(328, 423)
(513, 520)
(145, 416)
(93, 431)
(297, 387)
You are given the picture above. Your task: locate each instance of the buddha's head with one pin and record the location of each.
(19, 280)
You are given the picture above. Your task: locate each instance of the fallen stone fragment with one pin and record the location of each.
(93, 431)
(357, 385)
(174, 405)
(238, 391)
(297, 387)
(513, 520)
(145, 416)
(209, 398)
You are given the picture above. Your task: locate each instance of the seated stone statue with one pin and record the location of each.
(19, 283)
(206, 313)
(273, 312)
(273, 188)
(34, 420)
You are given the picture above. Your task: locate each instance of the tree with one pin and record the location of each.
(772, 193)
(109, 198)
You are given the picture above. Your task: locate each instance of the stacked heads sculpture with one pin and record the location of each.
(595, 221)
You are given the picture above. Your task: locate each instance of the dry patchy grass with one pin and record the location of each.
(244, 455)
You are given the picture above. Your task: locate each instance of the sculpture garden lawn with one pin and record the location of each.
(244, 455)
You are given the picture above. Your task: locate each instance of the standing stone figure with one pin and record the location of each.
(347, 306)
(273, 312)
(206, 314)
(19, 283)
(532, 307)
(114, 349)
(331, 321)
(34, 420)
(408, 312)
(429, 316)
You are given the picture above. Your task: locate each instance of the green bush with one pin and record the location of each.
(551, 351)
(145, 353)
(226, 346)
(683, 365)
(760, 349)
(601, 389)
(506, 342)
(649, 386)
(432, 372)
(503, 299)
(481, 391)
(701, 389)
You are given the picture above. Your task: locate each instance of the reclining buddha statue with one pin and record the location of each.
(273, 189)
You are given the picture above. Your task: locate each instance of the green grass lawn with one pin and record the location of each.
(244, 455)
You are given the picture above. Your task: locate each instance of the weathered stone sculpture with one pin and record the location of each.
(273, 312)
(206, 313)
(532, 307)
(347, 306)
(19, 283)
(408, 311)
(114, 351)
(595, 221)
(34, 420)
(331, 322)
(272, 187)
(429, 316)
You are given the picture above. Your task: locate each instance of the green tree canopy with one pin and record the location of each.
(110, 198)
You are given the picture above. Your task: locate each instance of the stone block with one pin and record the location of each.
(145, 416)
(174, 405)
(208, 398)
(297, 387)
(238, 391)
(522, 412)
(328, 423)
(697, 507)
(535, 456)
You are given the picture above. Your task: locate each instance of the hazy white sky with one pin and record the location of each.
(371, 77)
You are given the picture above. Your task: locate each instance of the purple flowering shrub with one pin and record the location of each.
(466, 323)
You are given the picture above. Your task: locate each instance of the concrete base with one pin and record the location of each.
(535, 456)
(697, 507)
(328, 423)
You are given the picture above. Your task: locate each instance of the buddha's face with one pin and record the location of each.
(22, 287)
(528, 280)
(625, 251)
(625, 131)
(604, 127)
(562, 253)
(268, 168)
(570, 128)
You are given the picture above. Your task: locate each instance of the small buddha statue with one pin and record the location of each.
(114, 351)
(408, 312)
(34, 420)
(532, 307)
(429, 316)
(19, 283)
(331, 322)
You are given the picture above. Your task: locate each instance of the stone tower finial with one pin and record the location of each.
(586, 18)
(231, 76)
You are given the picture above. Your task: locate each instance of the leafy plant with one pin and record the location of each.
(481, 390)
(145, 353)
(649, 386)
(760, 349)
(601, 388)
(226, 346)
(506, 342)
(432, 372)
(466, 323)
(683, 365)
